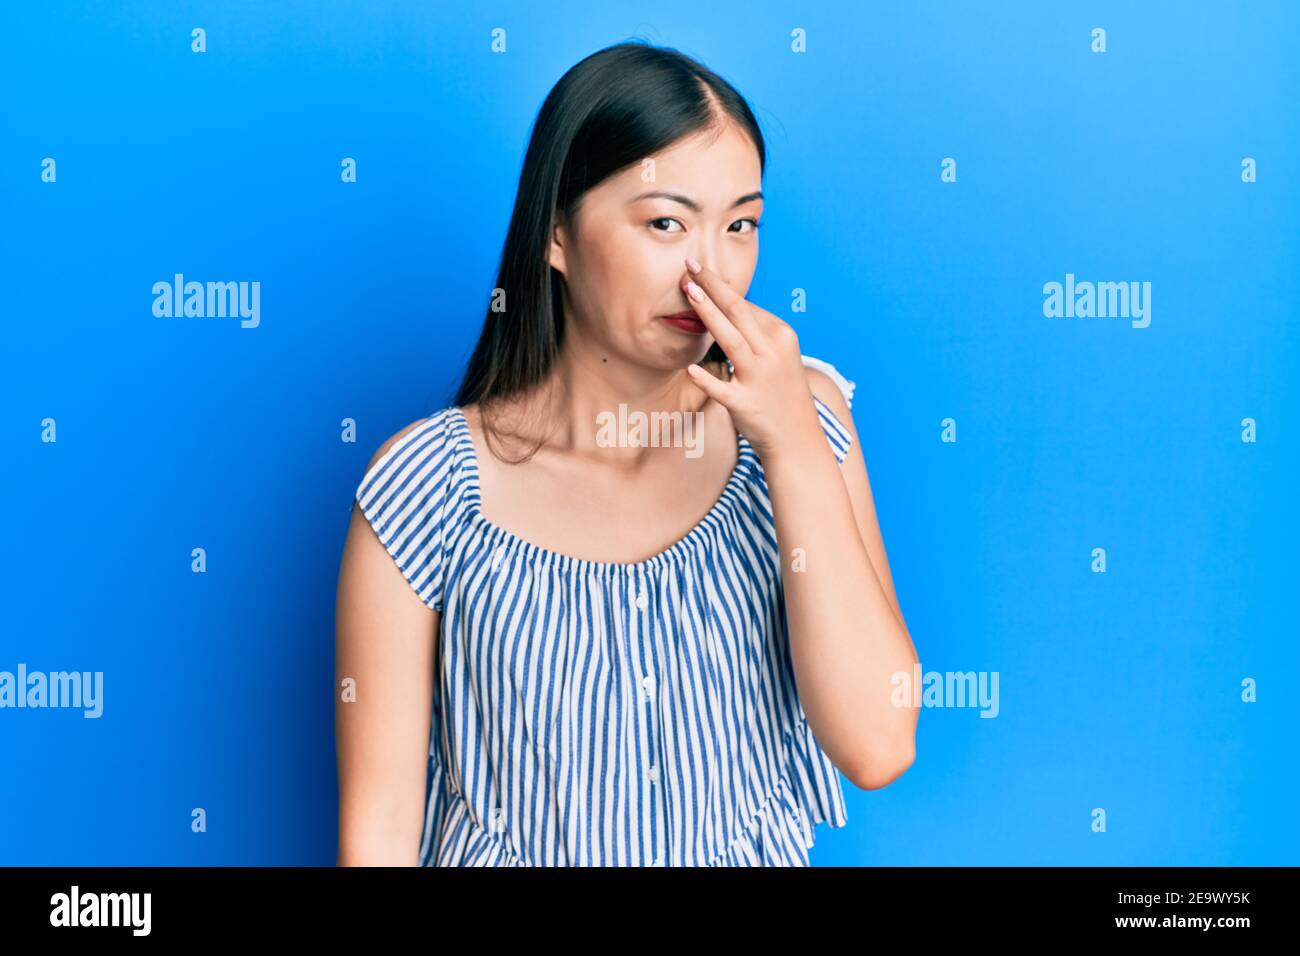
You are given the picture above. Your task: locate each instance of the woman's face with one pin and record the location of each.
(622, 256)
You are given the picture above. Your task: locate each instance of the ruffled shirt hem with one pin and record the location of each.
(779, 833)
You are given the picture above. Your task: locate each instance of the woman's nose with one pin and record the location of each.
(712, 260)
(705, 254)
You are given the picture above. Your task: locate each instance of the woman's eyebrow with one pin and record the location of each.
(690, 203)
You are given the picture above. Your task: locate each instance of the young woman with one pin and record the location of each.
(558, 649)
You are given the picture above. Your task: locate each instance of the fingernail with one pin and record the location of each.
(692, 265)
(695, 292)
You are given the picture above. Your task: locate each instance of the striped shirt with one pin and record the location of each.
(601, 714)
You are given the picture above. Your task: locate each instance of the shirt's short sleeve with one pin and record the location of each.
(406, 497)
(837, 434)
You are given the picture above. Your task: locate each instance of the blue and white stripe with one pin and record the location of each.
(599, 714)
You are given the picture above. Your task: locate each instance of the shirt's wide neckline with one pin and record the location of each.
(682, 546)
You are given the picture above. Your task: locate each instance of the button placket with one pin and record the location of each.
(641, 599)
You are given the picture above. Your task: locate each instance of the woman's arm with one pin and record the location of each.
(847, 635)
(385, 649)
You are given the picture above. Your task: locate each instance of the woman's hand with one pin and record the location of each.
(768, 395)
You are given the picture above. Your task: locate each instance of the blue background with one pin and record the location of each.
(1118, 690)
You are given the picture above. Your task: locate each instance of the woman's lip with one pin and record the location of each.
(687, 322)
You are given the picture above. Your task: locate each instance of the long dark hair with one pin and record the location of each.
(609, 111)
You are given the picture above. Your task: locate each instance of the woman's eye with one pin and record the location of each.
(663, 224)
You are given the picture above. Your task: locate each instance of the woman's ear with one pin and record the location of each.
(558, 242)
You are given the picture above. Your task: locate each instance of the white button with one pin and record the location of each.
(642, 600)
(654, 774)
(648, 683)
(496, 559)
(658, 862)
(498, 820)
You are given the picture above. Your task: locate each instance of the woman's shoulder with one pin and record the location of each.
(422, 452)
(833, 396)
(433, 429)
(827, 382)
(386, 447)
(413, 494)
